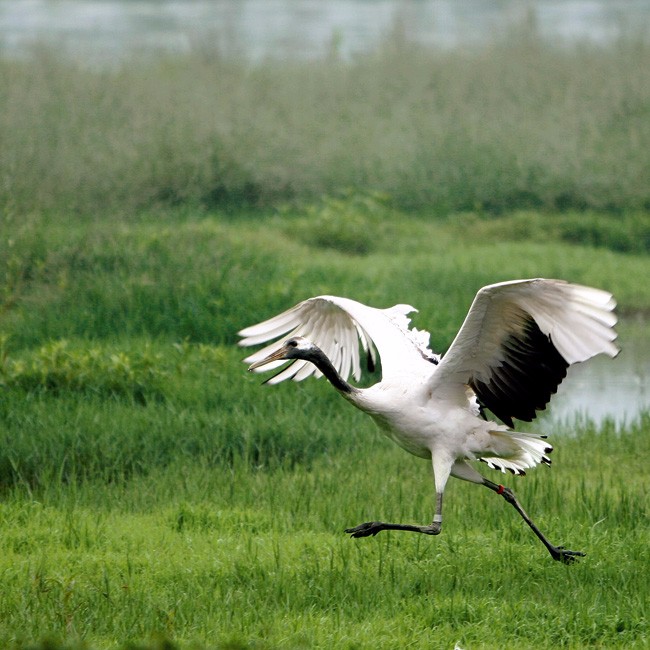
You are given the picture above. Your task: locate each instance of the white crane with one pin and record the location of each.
(509, 357)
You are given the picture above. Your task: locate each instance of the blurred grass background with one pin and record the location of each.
(518, 123)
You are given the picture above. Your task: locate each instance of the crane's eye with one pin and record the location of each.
(292, 343)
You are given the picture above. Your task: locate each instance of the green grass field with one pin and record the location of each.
(155, 495)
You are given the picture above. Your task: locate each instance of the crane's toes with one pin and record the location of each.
(566, 556)
(366, 530)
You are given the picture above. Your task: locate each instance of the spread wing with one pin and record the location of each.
(338, 326)
(518, 340)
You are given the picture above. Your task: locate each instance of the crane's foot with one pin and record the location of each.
(564, 555)
(371, 528)
(558, 553)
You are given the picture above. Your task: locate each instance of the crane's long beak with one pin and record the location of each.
(278, 355)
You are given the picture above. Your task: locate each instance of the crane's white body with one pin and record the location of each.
(510, 354)
(423, 403)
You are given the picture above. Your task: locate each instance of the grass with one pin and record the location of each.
(198, 277)
(514, 124)
(239, 557)
(154, 495)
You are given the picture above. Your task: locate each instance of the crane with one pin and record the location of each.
(507, 360)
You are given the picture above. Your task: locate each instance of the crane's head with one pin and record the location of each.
(295, 347)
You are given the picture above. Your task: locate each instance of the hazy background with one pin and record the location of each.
(287, 29)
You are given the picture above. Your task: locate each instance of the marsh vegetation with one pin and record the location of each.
(152, 493)
(511, 124)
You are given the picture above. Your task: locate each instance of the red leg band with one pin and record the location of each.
(500, 490)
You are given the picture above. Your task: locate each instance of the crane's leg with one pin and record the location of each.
(557, 552)
(374, 527)
(441, 469)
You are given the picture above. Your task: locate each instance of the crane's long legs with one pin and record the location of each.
(374, 527)
(557, 552)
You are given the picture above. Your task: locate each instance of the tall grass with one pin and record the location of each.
(151, 490)
(516, 123)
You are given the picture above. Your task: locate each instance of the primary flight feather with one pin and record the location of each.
(508, 358)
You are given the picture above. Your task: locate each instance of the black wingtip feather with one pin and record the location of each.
(528, 374)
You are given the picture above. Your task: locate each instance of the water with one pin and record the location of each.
(256, 29)
(604, 388)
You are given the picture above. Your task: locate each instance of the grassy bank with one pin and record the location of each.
(516, 123)
(181, 275)
(154, 493)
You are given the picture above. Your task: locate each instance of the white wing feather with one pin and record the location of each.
(578, 320)
(337, 326)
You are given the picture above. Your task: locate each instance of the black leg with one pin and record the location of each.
(371, 528)
(557, 552)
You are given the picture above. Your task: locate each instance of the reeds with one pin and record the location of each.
(516, 123)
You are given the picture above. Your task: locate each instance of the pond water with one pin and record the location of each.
(604, 388)
(106, 29)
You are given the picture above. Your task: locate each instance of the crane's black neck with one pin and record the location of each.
(320, 360)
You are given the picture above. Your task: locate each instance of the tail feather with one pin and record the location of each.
(515, 451)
